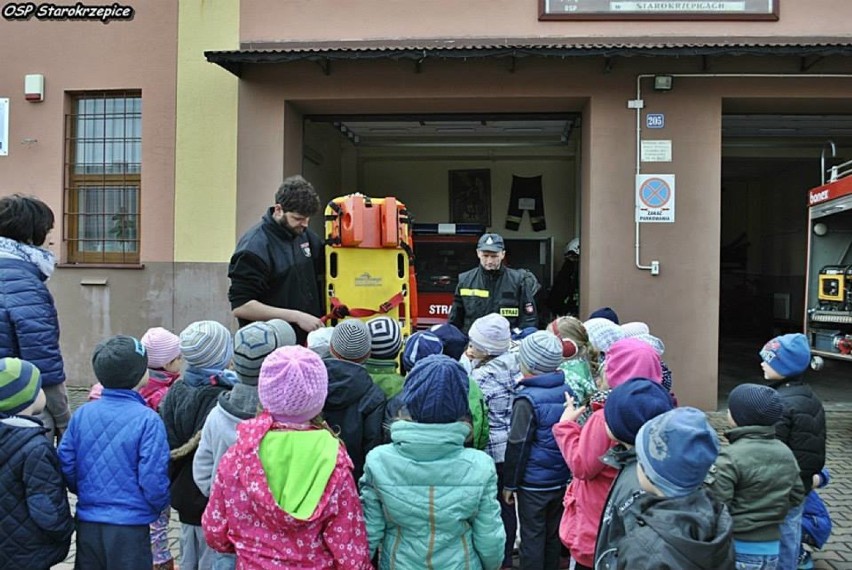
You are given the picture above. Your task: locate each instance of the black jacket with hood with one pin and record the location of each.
(355, 409)
(802, 427)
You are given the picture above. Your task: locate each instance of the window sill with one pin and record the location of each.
(100, 266)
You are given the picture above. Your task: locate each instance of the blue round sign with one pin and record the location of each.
(655, 193)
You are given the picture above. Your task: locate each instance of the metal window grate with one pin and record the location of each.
(103, 173)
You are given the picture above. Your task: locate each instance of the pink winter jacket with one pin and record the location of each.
(243, 517)
(586, 495)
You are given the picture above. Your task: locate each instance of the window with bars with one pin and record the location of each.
(103, 173)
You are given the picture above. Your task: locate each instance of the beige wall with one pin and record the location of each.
(80, 56)
(273, 20)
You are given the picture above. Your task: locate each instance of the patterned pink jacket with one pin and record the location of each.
(243, 517)
(586, 495)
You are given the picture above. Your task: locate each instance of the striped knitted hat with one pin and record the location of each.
(206, 345)
(540, 353)
(385, 338)
(350, 341)
(252, 344)
(20, 383)
(162, 346)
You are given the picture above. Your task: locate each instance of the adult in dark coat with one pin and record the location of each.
(278, 264)
(29, 326)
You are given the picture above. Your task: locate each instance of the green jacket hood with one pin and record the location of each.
(298, 466)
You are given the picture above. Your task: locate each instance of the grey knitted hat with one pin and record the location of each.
(206, 345)
(540, 353)
(350, 340)
(252, 344)
(385, 338)
(284, 331)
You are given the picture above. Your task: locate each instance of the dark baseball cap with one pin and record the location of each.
(491, 242)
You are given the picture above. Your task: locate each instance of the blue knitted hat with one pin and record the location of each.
(452, 338)
(788, 355)
(632, 404)
(420, 345)
(436, 391)
(676, 450)
(605, 313)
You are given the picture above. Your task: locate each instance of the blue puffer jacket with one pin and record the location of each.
(35, 520)
(29, 328)
(115, 458)
(545, 467)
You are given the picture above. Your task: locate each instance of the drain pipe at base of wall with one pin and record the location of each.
(638, 104)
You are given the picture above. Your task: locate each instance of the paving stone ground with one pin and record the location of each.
(837, 553)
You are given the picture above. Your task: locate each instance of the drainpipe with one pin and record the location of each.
(638, 104)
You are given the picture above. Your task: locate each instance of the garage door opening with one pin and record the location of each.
(769, 162)
(460, 169)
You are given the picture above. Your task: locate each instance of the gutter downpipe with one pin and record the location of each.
(640, 107)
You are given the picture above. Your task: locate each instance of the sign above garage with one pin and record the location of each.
(659, 10)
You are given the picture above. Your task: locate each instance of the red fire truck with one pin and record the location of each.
(828, 289)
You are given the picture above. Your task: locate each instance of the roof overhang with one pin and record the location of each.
(420, 50)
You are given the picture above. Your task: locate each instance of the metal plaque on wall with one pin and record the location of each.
(659, 10)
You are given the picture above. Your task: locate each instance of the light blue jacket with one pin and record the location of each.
(429, 502)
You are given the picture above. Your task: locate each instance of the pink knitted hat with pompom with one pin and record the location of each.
(293, 384)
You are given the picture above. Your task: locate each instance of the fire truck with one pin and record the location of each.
(828, 289)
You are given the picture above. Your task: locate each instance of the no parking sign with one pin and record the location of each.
(655, 198)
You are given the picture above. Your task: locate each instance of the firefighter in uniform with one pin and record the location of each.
(494, 288)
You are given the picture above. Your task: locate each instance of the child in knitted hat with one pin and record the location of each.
(427, 343)
(627, 409)
(164, 364)
(757, 475)
(534, 468)
(319, 341)
(115, 458)
(284, 495)
(355, 406)
(496, 372)
(252, 344)
(427, 484)
(29, 471)
(784, 360)
(385, 344)
(582, 436)
(675, 451)
(207, 348)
